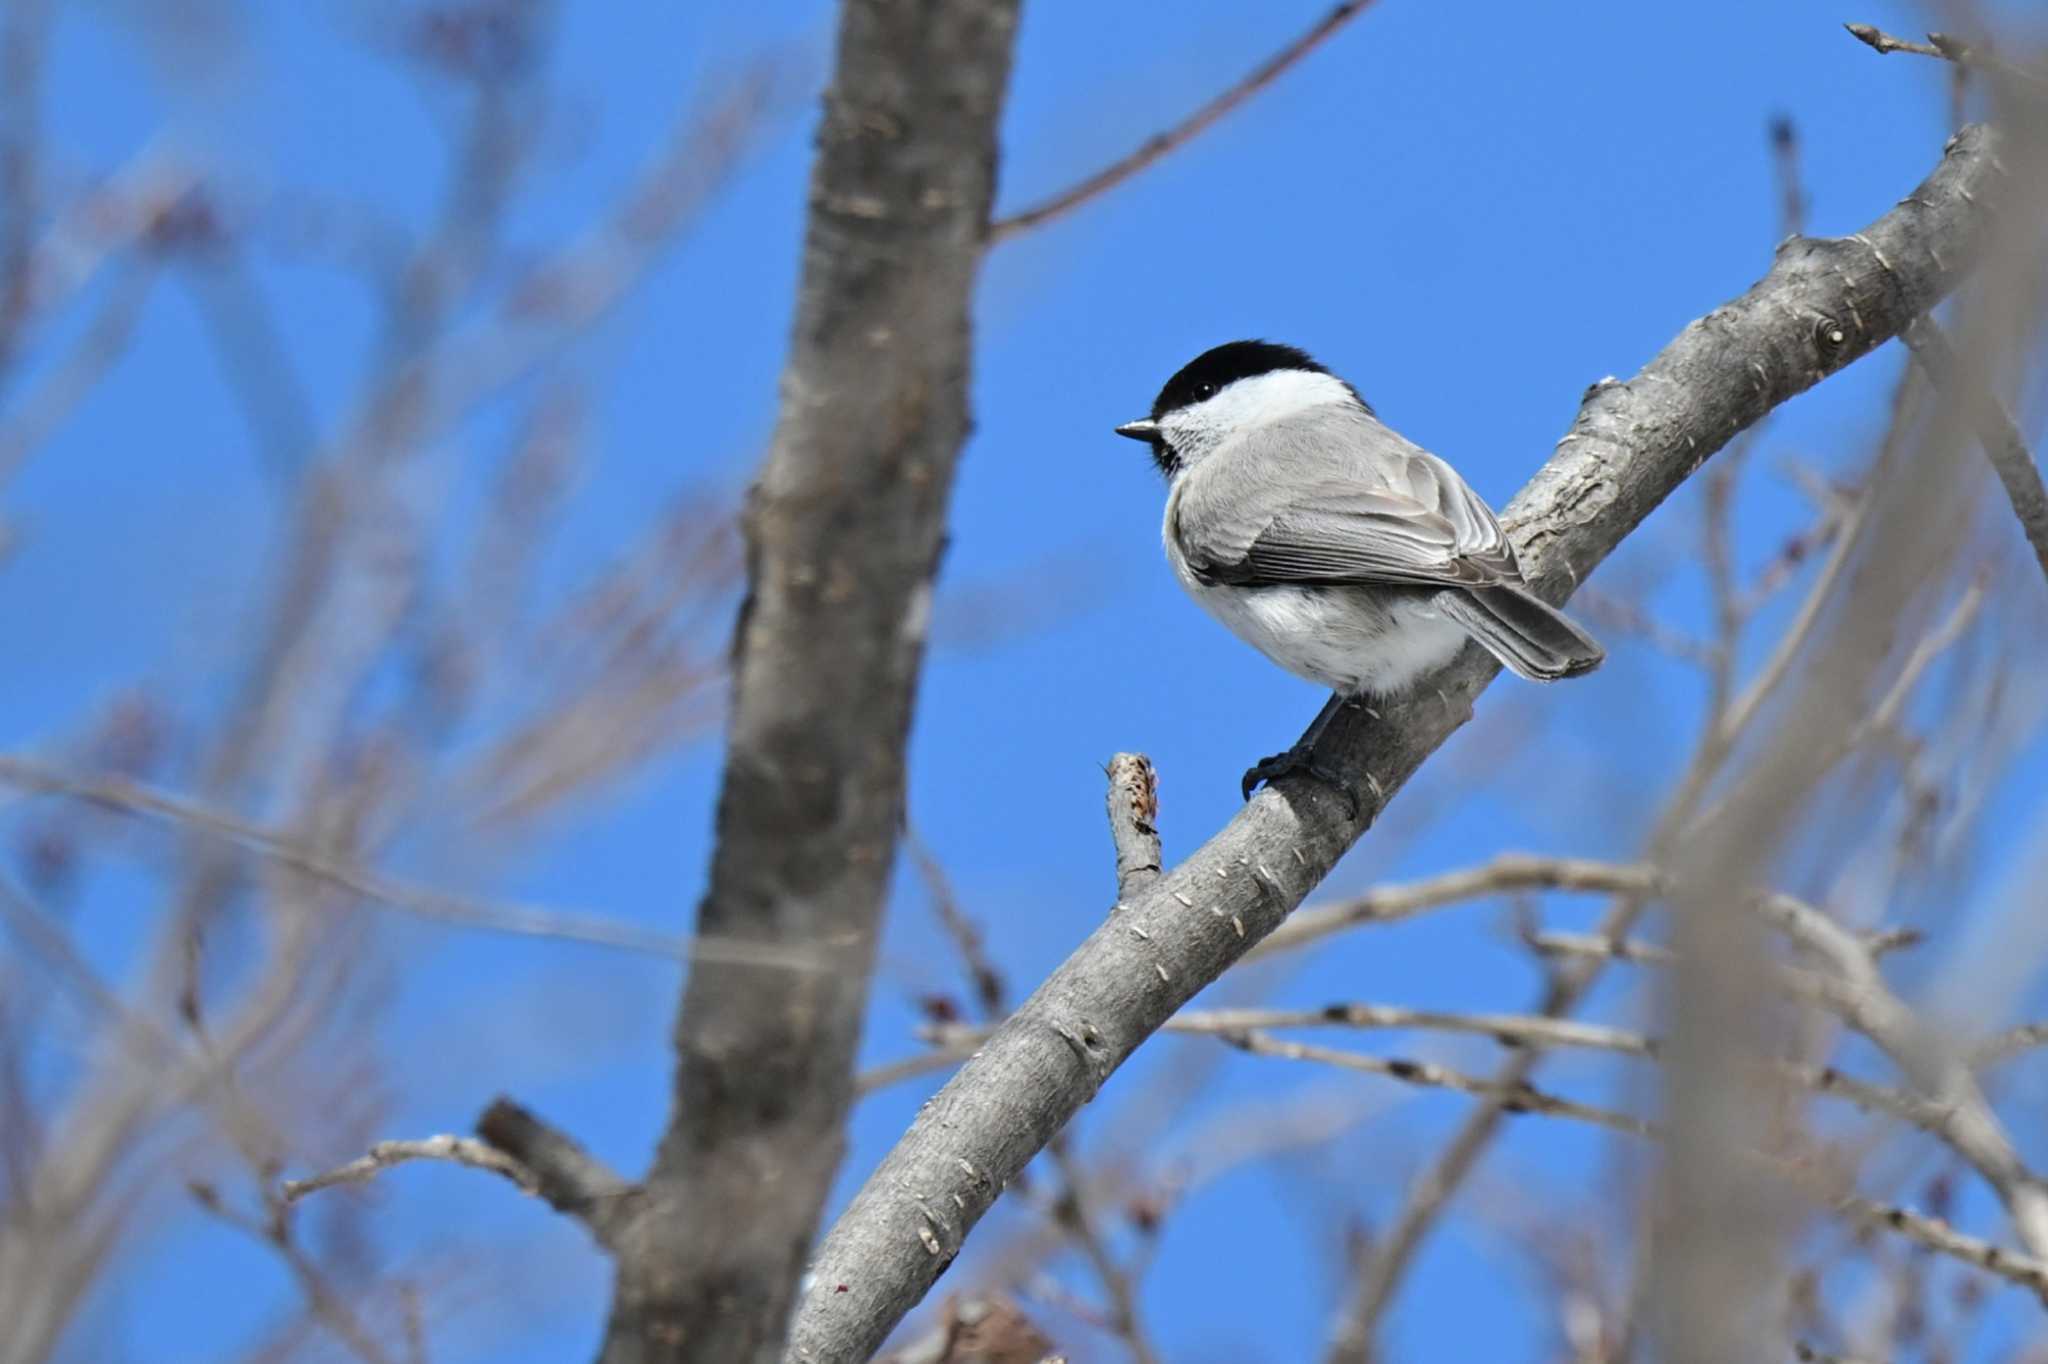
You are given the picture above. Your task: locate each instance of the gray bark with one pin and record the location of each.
(1823, 304)
(844, 527)
(574, 1182)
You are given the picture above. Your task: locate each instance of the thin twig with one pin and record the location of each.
(1932, 646)
(1134, 821)
(1770, 579)
(1180, 134)
(1507, 873)
(37, 413)
(1521, 1098)
(384, 1155)
(571, 1180)
(965, 935)
(2003, 444)
(954, 1043)
(924, 1063)
(328, 1305)
(1884, 44)
(1747, 703)
(1510, 1030)
(1966, 1121)
(1943, 47)
(1615, 614)
(1518, 1031)
(1524, 1098)
(47, 938)
(133, 797)
(1937, 1235)
(1599, 947)
(1717, 535)
(1791, 194)
(1885, 714)
(2002, 1047)
(1073, 1211)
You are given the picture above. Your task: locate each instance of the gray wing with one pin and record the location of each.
(1332, 496)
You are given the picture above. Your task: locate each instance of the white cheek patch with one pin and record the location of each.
(1247, 404)
(1275, 396)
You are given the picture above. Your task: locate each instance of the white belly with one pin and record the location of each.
(1358, 641)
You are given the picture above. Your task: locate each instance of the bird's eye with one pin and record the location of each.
(1205, 390)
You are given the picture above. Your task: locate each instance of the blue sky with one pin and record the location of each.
(1471, 211)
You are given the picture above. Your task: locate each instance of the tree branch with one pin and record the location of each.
(1884, 44)
(1517, 1098)
(1936, 1235)
(510, 1142)
(569, 1178)
(1504, 874)
(2003, 444)
(844, 526)
(1134, 822)
(1823, 304)
(1942, 1075)
(384, 1155)
(1180, 134)
(1943, 46)
(295, 852)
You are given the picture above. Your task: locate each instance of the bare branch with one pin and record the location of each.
(984, 978)
(24, 49)
(1630, 447)
(1885, 44)
(1134, 822)
(1600, 947)
(2008, 1044)
(37, 413)
(1525, 1098)
(1506, 874)
(569, 1178)
(132, 797)
(1791, 193)
(1932, 646)
(1522, 1098)
(2003, 444)
(954, 1043)
(384, 1155)
(1384, 1268)
(1963, 60)
(1943, 46)
(1964, 1118)
(1075, 1212)
(1750, 700)
(324, 1301)
(1231, 1025)
(1180, 134)
(1937, 1235)
(952, 1053)
(1510, 1030)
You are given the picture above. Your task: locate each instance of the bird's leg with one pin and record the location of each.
(1305, 755)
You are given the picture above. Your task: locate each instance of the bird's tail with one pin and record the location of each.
(1531, 638)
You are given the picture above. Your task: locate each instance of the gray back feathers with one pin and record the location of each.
(1330, 495)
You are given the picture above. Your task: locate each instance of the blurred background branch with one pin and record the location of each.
(377, 384)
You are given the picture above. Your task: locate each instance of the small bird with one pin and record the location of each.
(1341, 551)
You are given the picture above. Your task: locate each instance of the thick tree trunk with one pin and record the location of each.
(844, 528)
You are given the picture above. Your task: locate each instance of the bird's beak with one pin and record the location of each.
(1147, 429)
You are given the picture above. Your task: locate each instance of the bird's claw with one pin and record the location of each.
(1299, 759)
